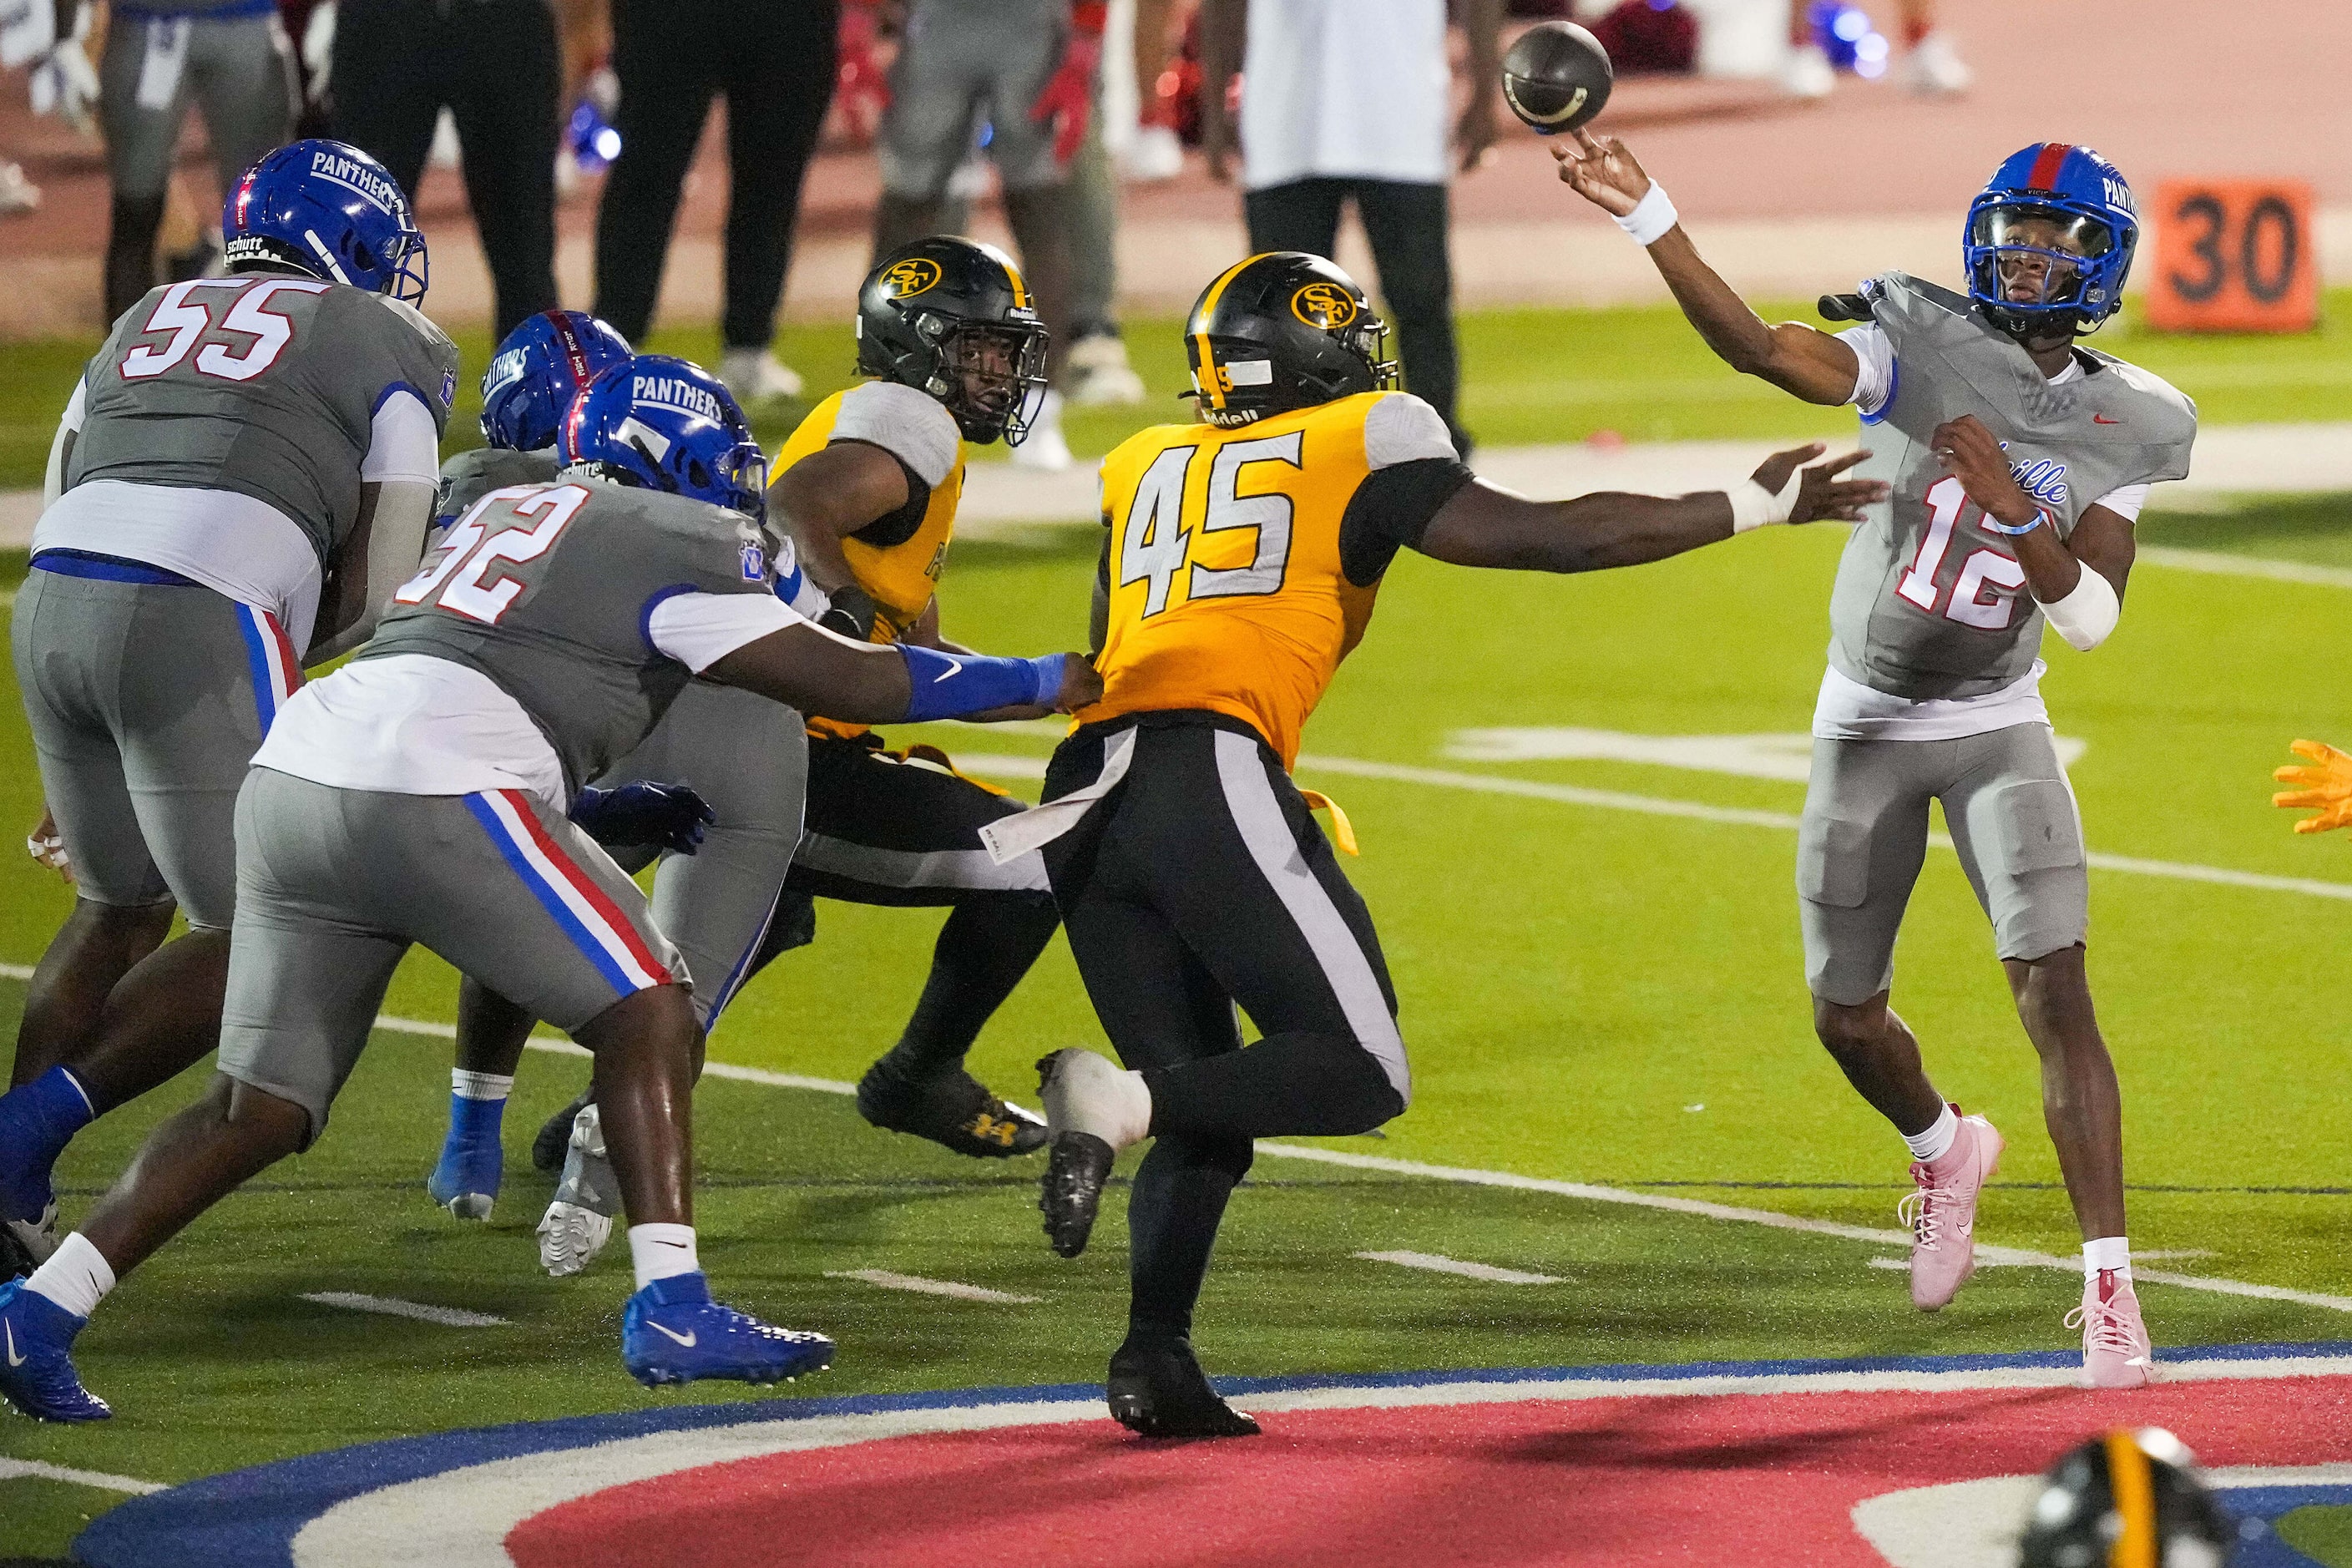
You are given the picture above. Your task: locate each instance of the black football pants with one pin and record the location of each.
(773, 60)
(1199, 882)
(882, 829)
(1406, 223)
(495, 64)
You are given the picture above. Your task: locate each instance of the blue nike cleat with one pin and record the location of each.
(36, 1376)
(37, 1119)
(672, 1331)
(465, 1182)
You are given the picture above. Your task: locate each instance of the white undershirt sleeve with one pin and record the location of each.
(401, 443)
(1873, 382)
(2125, 502)
(1402, 428)
(53, 478)
(699, 629)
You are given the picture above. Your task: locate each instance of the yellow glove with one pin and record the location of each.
(2326, 788)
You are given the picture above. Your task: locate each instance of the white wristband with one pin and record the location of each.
(1753, 506)
(1649, 222)
(2086, 615)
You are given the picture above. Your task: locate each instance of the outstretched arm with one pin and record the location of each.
(1797, 358)
(1485, 526)
(827, 675)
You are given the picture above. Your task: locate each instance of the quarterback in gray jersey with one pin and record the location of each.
(417, 794)
(2018, 460)
(242, 475)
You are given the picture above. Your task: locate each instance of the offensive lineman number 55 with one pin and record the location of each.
(1157, 540)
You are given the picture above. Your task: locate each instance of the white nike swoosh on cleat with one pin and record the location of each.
(686, 1339)
(955, 666)
(13, 1359)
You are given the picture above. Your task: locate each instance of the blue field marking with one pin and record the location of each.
(248, 1518)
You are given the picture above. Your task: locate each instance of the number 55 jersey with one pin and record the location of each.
(1930, 603)
(1242, 562)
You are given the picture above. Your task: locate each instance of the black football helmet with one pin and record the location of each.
(2127, 1498)
(951, 318)
(1283, 331)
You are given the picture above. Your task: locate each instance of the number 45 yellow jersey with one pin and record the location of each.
(1243, 561)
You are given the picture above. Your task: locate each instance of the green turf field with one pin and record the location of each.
(1594, 994)
(1528, 376)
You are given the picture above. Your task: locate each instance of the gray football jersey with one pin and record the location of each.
(547, 591)
(261, 383)
(469, 476)
(1930, 603)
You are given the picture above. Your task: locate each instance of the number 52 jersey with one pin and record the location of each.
(1242, 562)
(1930, 603)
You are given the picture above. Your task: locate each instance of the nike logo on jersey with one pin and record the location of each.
(955, 666)
(2103, 419)
(686, 1339)
(13, 1359)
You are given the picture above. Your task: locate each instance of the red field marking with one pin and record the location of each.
(1749, 1478)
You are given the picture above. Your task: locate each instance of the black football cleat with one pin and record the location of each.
(954, 1111)
(1075, 1168)
(1157, 1390)
(554, 1137)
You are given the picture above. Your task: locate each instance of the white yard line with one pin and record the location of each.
(1696, 811)
(1700, 1208)
(35, 1470)
(2219, 564)
(1437, 1263)
(917, 1285)
(392, 1307)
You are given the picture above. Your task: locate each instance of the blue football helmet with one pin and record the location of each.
(538, 371)
(2049, 241)
(664, 423)
(331, 212)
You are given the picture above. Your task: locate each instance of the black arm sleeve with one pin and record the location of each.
(1390, 511)
(898, 525)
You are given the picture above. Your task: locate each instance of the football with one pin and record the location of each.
(1556, 77)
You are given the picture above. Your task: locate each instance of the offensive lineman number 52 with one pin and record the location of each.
(1157, 541)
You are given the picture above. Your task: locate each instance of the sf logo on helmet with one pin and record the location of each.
(910, 276)
(1324, 305)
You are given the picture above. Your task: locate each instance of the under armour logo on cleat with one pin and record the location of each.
(686, 1339)
(13, 1359)
(2103, 419)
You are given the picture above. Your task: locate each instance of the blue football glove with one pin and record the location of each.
(667, 816)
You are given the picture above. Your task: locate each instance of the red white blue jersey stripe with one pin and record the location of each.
(270, 659)
(586, 914)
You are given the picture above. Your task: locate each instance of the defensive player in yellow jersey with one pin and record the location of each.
(868, 488)
(1240, 567)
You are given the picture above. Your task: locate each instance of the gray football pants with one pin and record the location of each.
(333, 886)
(239, 70)
(146, 701)
(2012, 817)
(748, 756)
(962, 58)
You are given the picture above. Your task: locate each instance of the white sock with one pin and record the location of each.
(2107, 1252)
(1937, 1142)
(660, 1251)
(76, 1276)
(480, 1085)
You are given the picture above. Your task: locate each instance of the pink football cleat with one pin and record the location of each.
(1942, 1214)
(2115, 1351)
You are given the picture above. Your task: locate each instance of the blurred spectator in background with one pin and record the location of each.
(496, 66)
(230, 56)
(1028, 67)
(1349, 98)
(1931, 65)
(773, 62)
